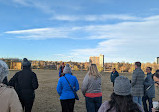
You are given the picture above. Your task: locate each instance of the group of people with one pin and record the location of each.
(17, 95)
(127, 96)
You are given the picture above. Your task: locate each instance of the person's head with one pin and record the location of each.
(121, 98)
(157, 73)
(3, 70)
(137, 64)
(93, 71)
(148, 69)
(26, 63)
(67, 69)
(114, 69)
(122, 86)
(122, 104)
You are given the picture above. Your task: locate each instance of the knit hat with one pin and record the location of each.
(67, 69)
(3, 70)
(122, 86)
(26, 63)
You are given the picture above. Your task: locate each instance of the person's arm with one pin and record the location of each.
(76, 85)
(59, 87)
(5, 81)
(85, 84)
(149, 81)
(117, 74)
(13, 80)
(104, 107)
(60, 71)
(134, 78)
(35, 81)
(14, 103)
(111, 77)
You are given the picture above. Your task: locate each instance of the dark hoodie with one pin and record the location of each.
(25, 82)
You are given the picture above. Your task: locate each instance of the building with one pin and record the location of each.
(157, 60)
(94, 60)
(16, 65)
(13, 63)
(99, 61)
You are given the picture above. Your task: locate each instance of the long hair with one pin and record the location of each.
(93, 71)
(122, 104)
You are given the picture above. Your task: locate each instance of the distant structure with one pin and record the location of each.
(16, 64)
(99, 61)
(13, 63)
(157, 60)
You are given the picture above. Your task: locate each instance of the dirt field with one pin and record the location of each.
(47, 99)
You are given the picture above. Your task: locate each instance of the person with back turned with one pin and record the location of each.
(121, 98)
(25, 82)
(138, 83)
(66, 88)
(92, 90)
(61, 69)
(9, 101)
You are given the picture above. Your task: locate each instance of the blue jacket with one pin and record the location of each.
(113, 76)
(149, 82)
(63, 88)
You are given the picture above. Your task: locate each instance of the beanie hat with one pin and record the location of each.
(3, 70)
(67, 69)
(26, 63)
(122, 86)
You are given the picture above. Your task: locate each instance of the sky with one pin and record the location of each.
(64, 30)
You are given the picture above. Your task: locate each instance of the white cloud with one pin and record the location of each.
(134, 40)
(40, 33)
(21, 2)
(93, 17)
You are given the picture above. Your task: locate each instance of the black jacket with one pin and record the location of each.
(25, 82)
(5, 81)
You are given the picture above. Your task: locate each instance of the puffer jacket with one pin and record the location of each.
(138, 82)
(63, 88)
(149, 86)
(25, 82)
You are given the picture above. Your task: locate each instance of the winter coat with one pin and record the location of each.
(138, 82)
(113, 76)
(5, 81)
(9, 101)
(61, 70)
(91, 85)
(149, 82)
(25, 82)
(105, 106)
(63, 88)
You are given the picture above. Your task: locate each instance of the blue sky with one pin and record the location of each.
(122, 30)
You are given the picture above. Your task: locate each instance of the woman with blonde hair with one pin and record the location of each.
(91, 89)
(9, 101)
